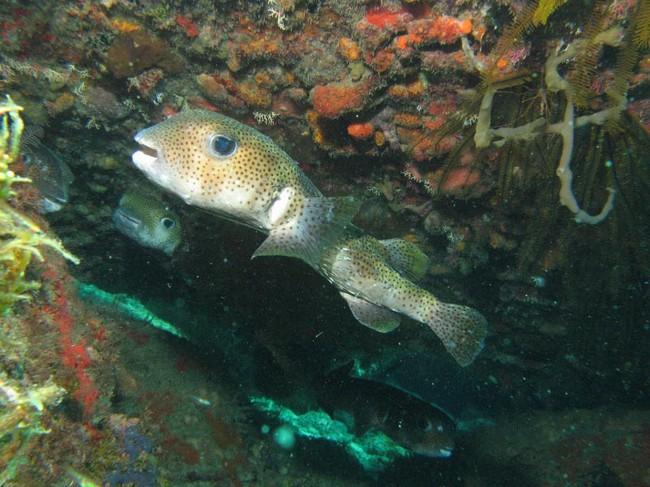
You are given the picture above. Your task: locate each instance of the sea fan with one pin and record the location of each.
(641, 32)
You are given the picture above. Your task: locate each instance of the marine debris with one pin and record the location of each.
(374, 450)
(128, 306)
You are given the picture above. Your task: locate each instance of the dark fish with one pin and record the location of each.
(435, 380)
(48, 172)
(410, 422)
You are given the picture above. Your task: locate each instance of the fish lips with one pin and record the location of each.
(433, 452)
(126, 223)
(151, 161)
(148, 155)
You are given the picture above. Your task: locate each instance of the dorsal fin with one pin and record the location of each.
(319, 223)
(406, 258)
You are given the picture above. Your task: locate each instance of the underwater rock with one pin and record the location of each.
(133, 52)
(404, 92)
(61, 103)
(442, 29)
(290, 102)
(379, 24)
(349, 49)
(384, 61)
(253, 94)
(335, 99)
(244, 49)
(218, 89)
(567, 448)
(101, 104)
(320, 65)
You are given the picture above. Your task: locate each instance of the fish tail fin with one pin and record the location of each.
(462, 329)
(320, 223)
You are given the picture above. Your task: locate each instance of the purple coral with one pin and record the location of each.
(135, 444)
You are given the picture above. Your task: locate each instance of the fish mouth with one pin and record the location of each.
(441, 452)
(445, 452)
(50, 205)
(148, 155)
(125, 221)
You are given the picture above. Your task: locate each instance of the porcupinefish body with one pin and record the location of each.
(216, 163)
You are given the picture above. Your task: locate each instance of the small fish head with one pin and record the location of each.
(211, 161)
(47, 205)
(148, 221)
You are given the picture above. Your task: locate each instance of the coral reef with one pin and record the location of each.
(22, 408)
(133, 52)
(508, 139)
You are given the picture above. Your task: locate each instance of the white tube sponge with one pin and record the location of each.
(566, 129)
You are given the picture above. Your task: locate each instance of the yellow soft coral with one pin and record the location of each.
(20, 238)
(544, 10)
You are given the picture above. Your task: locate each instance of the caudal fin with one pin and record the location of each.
(462, 330)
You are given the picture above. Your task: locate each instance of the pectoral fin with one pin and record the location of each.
(379, 319)
(319, 224)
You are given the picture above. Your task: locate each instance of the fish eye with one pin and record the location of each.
(222, 145)
(168, 223)
(424, 424)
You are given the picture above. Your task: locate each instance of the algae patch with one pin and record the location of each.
(20, 238)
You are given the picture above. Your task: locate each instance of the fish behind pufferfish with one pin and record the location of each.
(145, 218)
(49, 173)
(366, 405)
(216, 163)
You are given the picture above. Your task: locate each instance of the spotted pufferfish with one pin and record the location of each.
(219, 164)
